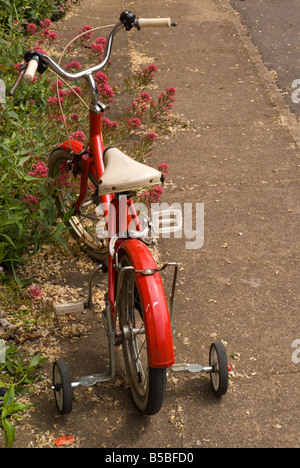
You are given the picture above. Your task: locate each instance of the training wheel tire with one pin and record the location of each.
(62, 386)
(219, 375)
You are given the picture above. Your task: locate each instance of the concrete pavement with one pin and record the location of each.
(242, 286)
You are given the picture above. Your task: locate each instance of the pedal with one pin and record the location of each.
(69, 308)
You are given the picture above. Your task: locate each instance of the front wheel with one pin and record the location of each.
(147, 385)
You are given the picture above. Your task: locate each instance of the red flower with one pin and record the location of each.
(31, 28)
(39, 170)
(79, 136)
(72, 65)
(39, 49)
(150, 137)
(108, 123)
(87, 36)
(46, 23)
(53, 36)
(54, 100)
(150, 70)
(100, 78)
(153, 196)
(60, 85)
(35, 292)
(31, 201)
(134, 123)
(171, 91)
(97, 47)
(164, 168)
(17, 67)
(145, 97)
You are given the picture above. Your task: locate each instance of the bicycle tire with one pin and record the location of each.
(219, 376)
(63, 392)
(147, 384)
(83, 225)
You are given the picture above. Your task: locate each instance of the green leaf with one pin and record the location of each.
(9, 433)
(20, 368)
(9, 239)
(17, 407)
(13, 115)
(34, 361)
(51, 214)
(9, 397)
(10, 368)
(62, 241)
(24, 159)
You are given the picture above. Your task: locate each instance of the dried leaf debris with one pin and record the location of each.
(30, 321)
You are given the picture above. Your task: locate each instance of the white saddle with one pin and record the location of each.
(123, 174)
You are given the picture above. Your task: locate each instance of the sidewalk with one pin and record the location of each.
(242, 287)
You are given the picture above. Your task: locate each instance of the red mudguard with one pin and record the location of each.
(76, 146)
(156, 313)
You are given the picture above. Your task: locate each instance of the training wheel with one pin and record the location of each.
(62, 386)
(219, 375)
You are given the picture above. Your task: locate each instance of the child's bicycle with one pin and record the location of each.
(136, 313)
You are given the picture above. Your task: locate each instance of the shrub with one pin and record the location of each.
(33, 11)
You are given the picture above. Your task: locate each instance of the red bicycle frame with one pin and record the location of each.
(92, 160)
(151, 291)
(127, 252)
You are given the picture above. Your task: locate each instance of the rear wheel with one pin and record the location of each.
(88, 225)
(147, 385)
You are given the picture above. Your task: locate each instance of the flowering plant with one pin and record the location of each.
(25, 185)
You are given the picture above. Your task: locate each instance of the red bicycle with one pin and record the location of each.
(104, 218)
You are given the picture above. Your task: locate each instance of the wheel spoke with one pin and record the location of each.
(137, 347)
(147, 385)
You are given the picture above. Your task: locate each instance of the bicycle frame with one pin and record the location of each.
(91, 160)
(157, 317)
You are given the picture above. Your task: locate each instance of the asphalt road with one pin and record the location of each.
(274, 26)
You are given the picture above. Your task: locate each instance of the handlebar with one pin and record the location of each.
(154, 23)
(36, 61)
(31, 69)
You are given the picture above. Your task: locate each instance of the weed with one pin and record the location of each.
(17, 377)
